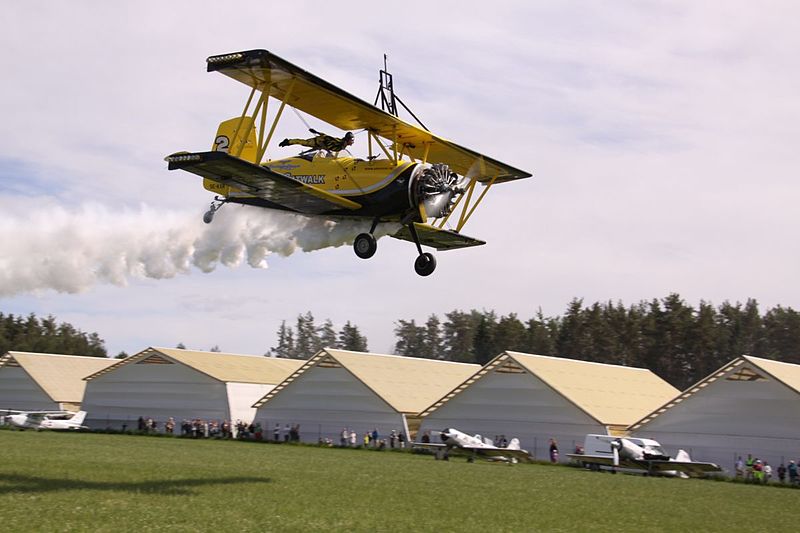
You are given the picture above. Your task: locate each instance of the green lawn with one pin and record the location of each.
(92, 482)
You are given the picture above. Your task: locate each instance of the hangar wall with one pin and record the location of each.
(20, 392)
(731, 418)
(325, 400)
(151, 390)
(242, 396)
(515, 405)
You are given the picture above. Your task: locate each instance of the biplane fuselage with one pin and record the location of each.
(418, 178)
(381, 187)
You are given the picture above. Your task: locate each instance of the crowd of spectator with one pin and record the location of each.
(225, 429)
(755, 470)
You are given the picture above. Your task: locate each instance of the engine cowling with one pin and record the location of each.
(436, 187)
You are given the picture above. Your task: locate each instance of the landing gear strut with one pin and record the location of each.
(425, 263)
(366, 244)
(208, 217)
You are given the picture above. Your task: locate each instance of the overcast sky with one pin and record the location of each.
(663, 138)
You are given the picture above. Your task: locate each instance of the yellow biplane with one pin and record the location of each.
(410, 175)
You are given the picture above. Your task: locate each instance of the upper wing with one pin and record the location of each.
(315, 96)
(259, 181)
(441, 239)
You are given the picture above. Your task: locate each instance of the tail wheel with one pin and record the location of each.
(425, 264)
(365, 245)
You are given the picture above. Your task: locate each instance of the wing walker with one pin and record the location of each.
(410, 175)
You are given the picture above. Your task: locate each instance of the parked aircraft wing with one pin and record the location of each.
(691, 468)
(260, 182)
(521, 455)
(304, 91)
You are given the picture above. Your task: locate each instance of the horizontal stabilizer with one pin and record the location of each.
(260, 182)
(441, 239)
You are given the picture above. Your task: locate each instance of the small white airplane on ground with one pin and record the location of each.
(640, 455)
(454, 441)
(59, 420)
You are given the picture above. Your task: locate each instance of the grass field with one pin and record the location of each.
(92, 482)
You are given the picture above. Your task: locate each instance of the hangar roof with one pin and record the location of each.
(407, 384)
(224, 367)
(611, 394)
(59, 376)
(786, 373)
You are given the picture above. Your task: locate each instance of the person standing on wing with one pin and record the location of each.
(322, 141)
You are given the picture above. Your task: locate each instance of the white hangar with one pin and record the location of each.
(45, 382)
(160, 383)
(749, 406)
(535, 398)
(339, 389)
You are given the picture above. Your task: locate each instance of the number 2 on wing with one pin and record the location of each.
(221, 143)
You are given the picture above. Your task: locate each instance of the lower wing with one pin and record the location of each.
(441, 239)
(259, 181)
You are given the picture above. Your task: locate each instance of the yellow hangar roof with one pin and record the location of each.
(224, 367)
(408, 384)
(736, 370)
(612, 394)
(60, 376)
(787, 373)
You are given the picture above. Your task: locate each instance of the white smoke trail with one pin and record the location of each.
(72, 250)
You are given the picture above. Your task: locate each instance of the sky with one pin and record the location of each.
(662, 136)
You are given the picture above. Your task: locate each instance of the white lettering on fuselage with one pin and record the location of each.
(309, 179)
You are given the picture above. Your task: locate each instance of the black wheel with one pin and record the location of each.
(365, 245)
(208, 217)
(425, 264)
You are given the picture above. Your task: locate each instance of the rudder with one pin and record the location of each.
(230, 138)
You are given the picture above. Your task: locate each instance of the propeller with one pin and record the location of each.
(438, 187)
(616, 445)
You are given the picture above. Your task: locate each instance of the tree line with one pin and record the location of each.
(307, 338)
(680, 343)
(45, 335)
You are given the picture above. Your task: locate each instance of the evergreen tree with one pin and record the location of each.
(459, 332)
(285, 347)
(432, 339)
(327, 335)
(410, 339)
(351, 339)
(704, 343)
(307, 341)
(30, 334)
(782, 333)
(509, 334)
(574, 340)
(483, 341)
(540, 335)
